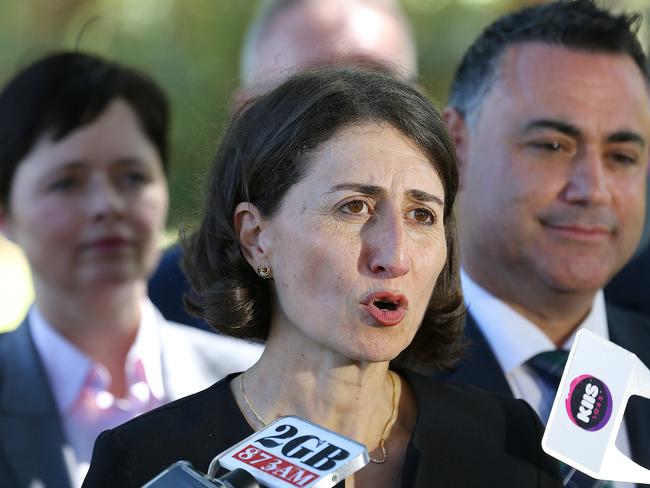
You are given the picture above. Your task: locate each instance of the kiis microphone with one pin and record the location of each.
(288, 453)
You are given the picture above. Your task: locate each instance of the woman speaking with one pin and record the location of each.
(329, 232)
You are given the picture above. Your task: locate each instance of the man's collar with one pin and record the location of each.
(513, 338)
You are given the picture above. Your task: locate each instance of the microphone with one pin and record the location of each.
(288, 453)
(597, 382)
(181, 474)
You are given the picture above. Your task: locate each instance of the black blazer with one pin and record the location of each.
(480, 368)
(629, 288)
(464, 437)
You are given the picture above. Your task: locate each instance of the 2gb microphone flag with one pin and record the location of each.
(293, 452)
(598, 380)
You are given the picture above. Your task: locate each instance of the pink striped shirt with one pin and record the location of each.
(80, 386)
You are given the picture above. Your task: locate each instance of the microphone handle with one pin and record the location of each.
(238, 478)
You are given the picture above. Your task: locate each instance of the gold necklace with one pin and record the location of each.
(248, 402)
(384, 434)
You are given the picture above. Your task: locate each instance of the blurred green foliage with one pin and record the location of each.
(192, 48)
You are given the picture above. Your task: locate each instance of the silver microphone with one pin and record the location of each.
(288, 453)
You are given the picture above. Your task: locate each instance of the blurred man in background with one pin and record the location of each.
(550, 113)
(287, 36)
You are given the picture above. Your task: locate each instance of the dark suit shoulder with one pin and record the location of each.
(195, 428)
(167, 287)
(618, 316)
(630, 330)
(6, 340)
(472, 406)
(478, 366)
(498, 437)
(629, 287)
(9, 337)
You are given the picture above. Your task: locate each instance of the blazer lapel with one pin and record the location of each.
(632, 332)
(479, 366)
(182, 366)
(31, 437)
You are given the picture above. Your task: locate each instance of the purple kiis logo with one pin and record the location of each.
(589, 403)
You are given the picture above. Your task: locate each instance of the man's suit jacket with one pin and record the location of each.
(33, 449)
(629, 288)
(480, 368)
(168, 285)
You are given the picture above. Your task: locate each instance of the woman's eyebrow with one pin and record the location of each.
(129, 161)
(370, 190)
(423, 196)
(374, 191)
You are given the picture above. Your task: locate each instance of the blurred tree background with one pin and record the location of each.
(191, 47)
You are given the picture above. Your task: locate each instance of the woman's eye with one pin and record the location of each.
(355, 207)
(63, 184)
(134, 178)
(422, 216)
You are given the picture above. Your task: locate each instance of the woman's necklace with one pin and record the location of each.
(384, 434)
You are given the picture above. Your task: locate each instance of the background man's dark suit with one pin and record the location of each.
(168, 286)
(629, 330)
(630, 288)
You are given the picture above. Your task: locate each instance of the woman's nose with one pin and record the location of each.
(105, 200)
(388, 254)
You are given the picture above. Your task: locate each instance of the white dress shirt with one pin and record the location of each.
(514, 340)
(80, 386)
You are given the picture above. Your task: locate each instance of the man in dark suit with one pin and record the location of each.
(284, 37)
(550, 113)
(629, 288)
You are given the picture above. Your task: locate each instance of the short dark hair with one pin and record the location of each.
(266, 150)
(64, 91)
(574, 24)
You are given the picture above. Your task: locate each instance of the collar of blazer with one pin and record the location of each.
(31, 435)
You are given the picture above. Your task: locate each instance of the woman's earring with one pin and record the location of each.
(264, 271)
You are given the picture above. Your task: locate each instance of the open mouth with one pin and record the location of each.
(386, 308)
(384, 305)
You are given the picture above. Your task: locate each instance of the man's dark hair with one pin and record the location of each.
(65, 91)
(574, 24)
(266, 149)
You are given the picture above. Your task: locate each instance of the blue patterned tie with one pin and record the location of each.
(548, 367)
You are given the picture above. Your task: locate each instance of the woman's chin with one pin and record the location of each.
(107, 278)
(374, 353)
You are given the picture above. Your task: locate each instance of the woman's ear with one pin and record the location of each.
(249, 226)
(459, 133)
